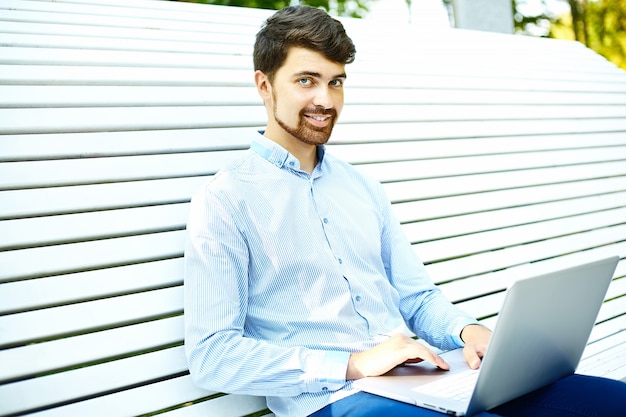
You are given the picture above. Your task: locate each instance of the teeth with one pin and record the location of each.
(319, 118)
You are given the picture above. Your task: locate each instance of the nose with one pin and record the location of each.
(323, 97)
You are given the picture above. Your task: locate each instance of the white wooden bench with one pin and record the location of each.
(504, 157)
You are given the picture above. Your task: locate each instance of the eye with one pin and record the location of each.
(336, 83)
(305, 82)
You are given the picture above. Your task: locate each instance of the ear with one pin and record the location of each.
(263, 85)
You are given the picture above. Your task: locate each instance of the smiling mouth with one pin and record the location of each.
(318, 120)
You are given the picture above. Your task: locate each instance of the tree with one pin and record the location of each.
(578, 10)
(605, 29)
(599, 24)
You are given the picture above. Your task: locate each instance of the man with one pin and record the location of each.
(298, 276)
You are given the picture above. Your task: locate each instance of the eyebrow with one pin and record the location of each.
(318, 75)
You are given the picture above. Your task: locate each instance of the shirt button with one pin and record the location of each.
(325, 220)
(358, 298)
(340, 261)
(324, 388)
(291, 163)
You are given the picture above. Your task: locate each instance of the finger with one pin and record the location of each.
(471, 356)
(416, 352)
(436, 360)
(442, 364)
(422, 353)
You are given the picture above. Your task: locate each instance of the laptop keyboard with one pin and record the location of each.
(455, 387)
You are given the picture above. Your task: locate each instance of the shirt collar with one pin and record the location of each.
(277, 155)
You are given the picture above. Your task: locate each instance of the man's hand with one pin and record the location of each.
(476, 338)
(398, 349)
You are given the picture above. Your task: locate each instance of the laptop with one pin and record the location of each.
(540, 336)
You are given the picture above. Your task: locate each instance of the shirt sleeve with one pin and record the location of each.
(427, 312)
(220, 357)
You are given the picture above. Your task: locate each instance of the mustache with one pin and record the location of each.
(319, 110)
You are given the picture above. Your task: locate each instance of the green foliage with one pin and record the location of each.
(606, 29)
(599, 24)
(258, 4)
(350, 8)
(536, 24)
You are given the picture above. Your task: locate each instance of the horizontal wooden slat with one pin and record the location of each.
(74, 257)
(19, 175)
(119, 118)
(113, 96)
(77, 287)
(491, 200)
(159, 396)
(40, 358)
(432, 168)
(491, 219)
(498, 239)
(609, 337)
(484, 262)
(613, 308)
(42, 231)
(89, 316)
(545, 82)
(608, 333)
(489, 304)
(73, 199)
(209, 45)
(78, 75)
(615, 336)
(126, 21)
(140, 401)
(500, 279)
(140, 10)
(611, 365)
(98, 57)
(387, 151)
(371, 132)
(146, 34)
(469, 96)
(92, 380)
(223, 406)
(446, 186)
(102, 144)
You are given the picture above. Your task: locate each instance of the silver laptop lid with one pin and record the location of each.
(542, 331)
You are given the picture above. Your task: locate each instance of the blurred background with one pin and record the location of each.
(599, 24)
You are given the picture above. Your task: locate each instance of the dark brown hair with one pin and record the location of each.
(302, 26)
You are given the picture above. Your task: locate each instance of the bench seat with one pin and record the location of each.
(504, 157)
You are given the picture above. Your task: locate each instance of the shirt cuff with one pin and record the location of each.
(331, 372)
(455, 333)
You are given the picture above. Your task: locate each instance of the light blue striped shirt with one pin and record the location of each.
(287, 273)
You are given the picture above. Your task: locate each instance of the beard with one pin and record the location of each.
(306, 132)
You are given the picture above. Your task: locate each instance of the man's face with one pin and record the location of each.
(306, 97)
